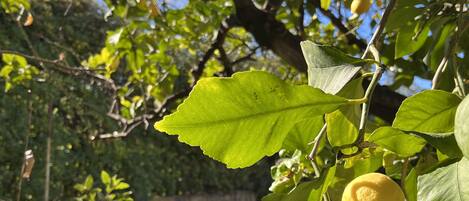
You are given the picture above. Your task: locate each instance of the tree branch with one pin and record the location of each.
(351, 37)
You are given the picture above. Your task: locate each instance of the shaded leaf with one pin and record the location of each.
(461, 127)
(302, 134)
(410, 185)
(397, 141)
(450, 183)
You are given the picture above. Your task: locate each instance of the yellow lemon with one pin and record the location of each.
(360, 6)
(373, 187)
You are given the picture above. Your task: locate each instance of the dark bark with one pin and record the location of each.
(272, 34)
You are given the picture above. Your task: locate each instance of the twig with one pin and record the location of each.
(75, 71)
(48, 153)
(225, 61)
(371, 48)
(314, 151)
(301, 26)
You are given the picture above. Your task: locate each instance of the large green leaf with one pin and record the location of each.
(302, 134)
(461, 127)
(241, 119)
(329, 69)
(397, 141)
(342, 124)
(450, 183)
(430, 112)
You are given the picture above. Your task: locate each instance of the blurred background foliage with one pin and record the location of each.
(153, 164)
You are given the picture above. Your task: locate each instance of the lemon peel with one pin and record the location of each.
(360, 6)
(373, 187)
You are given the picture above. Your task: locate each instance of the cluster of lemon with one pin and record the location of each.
(373, 187)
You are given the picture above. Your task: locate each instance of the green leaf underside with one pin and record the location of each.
(397, 141)
(329, 69)
(431, 112)
(450, 183)
(241, 119)
(461, 127)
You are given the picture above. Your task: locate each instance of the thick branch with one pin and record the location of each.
(270, 33)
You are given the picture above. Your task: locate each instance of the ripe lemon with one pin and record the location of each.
(360, 6)
(373, 187)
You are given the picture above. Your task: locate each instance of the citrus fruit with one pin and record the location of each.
(373, 187)
(360, 6)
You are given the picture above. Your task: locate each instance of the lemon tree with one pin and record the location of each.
(352, 99)
(239, 120)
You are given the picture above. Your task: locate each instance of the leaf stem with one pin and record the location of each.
(314, 151)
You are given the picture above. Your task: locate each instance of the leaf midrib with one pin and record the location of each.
(191, 125)
(431, 116)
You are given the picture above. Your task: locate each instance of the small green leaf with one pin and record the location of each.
(397, 141)
(329, 69)
(89, 182)
(431, 112)
(448, 183)
(342, 124)
(408, 41)
(122, 186)
(316, 194)
(241, 119)
(302, 134)
(105, 178)
(461, 127)
(410, 185)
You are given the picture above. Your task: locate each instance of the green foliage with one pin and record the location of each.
(259, 111)
(114, 189)
(430, 112)
(329, 69)
(445, 183)
(394, 140)
(14, 6)
(343, 123)
(110, 70)
(16, 70)
(461, 127)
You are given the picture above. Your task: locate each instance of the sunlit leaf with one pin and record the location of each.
(241, 119)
